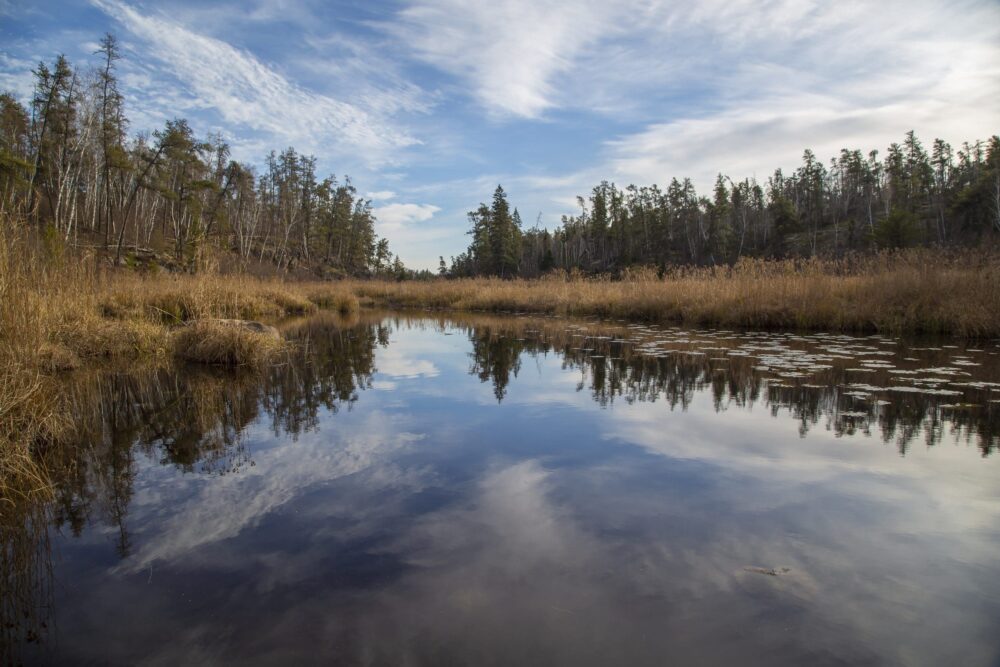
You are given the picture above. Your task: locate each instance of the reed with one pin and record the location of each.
(61, 311)
(218, 343)
(918, 291)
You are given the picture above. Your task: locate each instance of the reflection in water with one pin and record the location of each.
(190, 418)
(25, 576)
(814, 378)
(420, 524)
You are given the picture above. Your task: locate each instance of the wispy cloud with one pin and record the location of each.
(509, 52)
(400, 215)
(249, 94)
(411, 230)
(15, 75)
(738, 86)
(826, 78)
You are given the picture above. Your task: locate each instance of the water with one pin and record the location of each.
(477, 490)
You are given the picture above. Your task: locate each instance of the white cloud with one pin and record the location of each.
(250, 94)
(219, 508)
(510, 51)
(399, 215)
(16, 77)
(395, 363)
(737, 86)
(825, 79)
(754, 140)
(412, 232)
(381, 195)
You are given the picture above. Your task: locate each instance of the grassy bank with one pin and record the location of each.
(59, 312)
(918, 291)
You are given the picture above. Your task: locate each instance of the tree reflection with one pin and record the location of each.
(196, 419)
(613, 368)
(192, 418)
(495, 358)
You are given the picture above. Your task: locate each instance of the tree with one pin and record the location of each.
(112, 126)
(14, 150)
(53, 107)
(504, 236)
(899, 229)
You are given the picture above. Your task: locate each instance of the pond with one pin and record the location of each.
(455, 489)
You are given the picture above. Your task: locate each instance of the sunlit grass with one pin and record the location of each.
(918, 291)
(60, 312)
(220, 343)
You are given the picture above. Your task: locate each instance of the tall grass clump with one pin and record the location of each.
(27, 402)
(224, 343)
(333, 298)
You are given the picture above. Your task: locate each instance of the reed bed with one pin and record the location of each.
(917, 291)
(60, 312)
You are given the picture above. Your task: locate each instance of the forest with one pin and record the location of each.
(69, 166)
(859, 202)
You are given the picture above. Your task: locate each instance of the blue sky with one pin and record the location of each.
(428, 104)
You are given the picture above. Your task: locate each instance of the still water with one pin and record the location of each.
(438, 490)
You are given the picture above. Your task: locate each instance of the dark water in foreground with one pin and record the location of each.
(473, 490)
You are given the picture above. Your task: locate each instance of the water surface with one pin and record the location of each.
(485, 490)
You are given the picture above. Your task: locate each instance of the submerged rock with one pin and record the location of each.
(247, 325)
(769, 571)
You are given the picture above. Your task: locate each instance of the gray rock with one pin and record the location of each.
(769, 571)
(249, 325)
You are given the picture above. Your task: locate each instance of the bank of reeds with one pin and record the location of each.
(60, 311)
(916, 291)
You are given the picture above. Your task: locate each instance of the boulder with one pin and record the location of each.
(249, 325)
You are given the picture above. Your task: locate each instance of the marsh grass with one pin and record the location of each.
(917, 291)
(61, 311)
(218, 343)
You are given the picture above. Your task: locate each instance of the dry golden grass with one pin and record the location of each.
(59, 312)
(918, 291)
(216, 342)
(332, 298)
(181, 298)
(28, 413)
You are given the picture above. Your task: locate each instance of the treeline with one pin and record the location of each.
(858, 202)
(69, 165)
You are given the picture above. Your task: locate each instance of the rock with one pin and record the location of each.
(769, 571)
(249, 325)
(57, 358)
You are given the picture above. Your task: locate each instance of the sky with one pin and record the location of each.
(428, 105)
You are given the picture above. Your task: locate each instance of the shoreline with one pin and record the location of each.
(911, 293)
(59, 314)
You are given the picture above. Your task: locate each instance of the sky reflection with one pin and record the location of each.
(471, 499)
